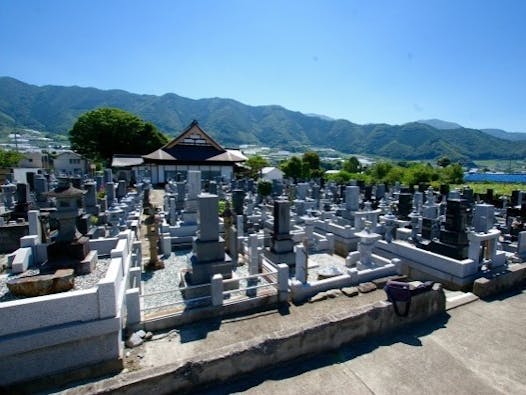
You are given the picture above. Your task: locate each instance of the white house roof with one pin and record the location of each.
(268, 169)
(71, 153)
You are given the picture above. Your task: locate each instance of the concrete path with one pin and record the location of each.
(201, 337)
(478, 348)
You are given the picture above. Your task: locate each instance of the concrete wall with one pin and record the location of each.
(50, 334)
(329, 332)
(514, 276)
(419, 263)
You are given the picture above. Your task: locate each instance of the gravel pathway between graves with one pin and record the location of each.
(167, 280)
(81, 282)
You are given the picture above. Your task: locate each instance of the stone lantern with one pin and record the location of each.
(69, 242)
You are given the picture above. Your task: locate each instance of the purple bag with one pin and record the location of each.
(398, 291)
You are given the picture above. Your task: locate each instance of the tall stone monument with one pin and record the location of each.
(208, 251)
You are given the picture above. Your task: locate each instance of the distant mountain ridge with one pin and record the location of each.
(499, 133)
(54, 109)
(439, 124)
(502, 134)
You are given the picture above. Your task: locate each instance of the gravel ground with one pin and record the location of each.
(81, 282)
(324, 262)
(167, 281)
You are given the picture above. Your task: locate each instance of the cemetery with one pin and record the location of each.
(90, 261)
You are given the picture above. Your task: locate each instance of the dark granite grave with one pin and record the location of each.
(453, 241)
(405, 205)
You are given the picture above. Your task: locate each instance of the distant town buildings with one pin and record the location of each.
(70, 163)
(271, 173)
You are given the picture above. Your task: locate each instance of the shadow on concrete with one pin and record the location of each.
(505, 295)
(408, 335)
(199, 330)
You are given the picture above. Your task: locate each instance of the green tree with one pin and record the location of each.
(311, 165)
(256, 163)
(312, 159)
(264, 188)
(101, 133)
(293, 167)
(452, 174)
(443, 161)
(9, 158)
(394, 175)
(352, 165)
(418, 173)
(379, 171)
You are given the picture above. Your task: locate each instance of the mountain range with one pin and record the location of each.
(54, 110)
(501, 134)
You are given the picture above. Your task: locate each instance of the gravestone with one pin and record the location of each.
(22, 201)
(30, 178)
(108, 175)
(302, 189)
(418, 201)
(483, 217)
(281, 248)
(368, 193)
(277, 188)
(380, 192)
(238, 198)
(180, 194)
(8, 191)
(121, 189)
(41, 188)
(110, 192)
(404, 205)
(212, 187)
(208, 251)
(193, 189)
(99, 180)
(316, 192)
(453, 238)
(352, 198)
(90, 198)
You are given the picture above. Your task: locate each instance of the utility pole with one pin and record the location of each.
(16, 140)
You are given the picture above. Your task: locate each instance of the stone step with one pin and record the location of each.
(457, 298)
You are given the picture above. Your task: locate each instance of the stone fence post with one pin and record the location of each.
(217, 290)
(330, 242)
(283, 282)
(133, 307)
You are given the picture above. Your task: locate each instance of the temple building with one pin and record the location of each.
(193, 149)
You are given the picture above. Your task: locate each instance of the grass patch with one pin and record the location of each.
(499, 188)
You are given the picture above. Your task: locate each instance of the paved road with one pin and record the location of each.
(479, 348)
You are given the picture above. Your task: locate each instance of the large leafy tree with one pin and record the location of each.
(101, 133)
(9, 158)
(293, 167)
(352, 165)
(256, 163)
(311, 164)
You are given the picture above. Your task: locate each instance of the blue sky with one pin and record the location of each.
(365, 61)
